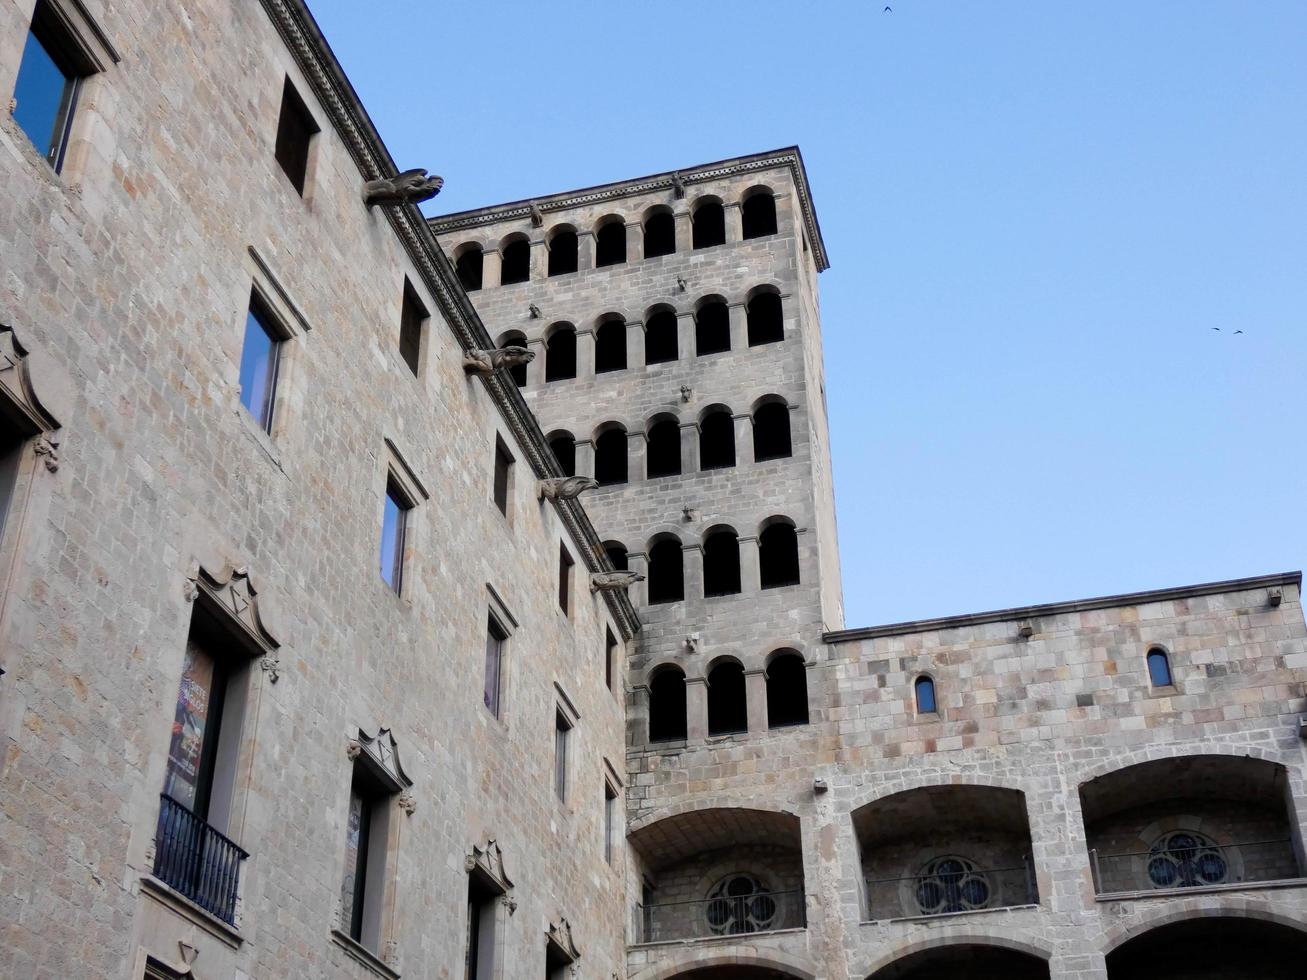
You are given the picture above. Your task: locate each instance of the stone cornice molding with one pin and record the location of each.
(348, 117)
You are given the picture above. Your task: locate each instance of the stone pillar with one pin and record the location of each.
(637, 716)
(684, 230)
(491, 267)
(734, 222)
(585, 353)
(689, 447)
(685, 345)
(539, 262)
(535, 371)
(585, 250)
(739, 318)
(638, 561)
(750, 576)
(692, 563)
(585, 458)
(743, 439)
(755, 699)
(637, 444)
(634, 241)
(635, 344)
(696, 709)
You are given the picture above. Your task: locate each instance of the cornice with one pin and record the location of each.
(788, 157)
(333, 90)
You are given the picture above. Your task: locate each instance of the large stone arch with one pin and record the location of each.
(673, 964)
(1172, 750)
(1207, 906)
(883, 786)
(966, 935)
(720, 801)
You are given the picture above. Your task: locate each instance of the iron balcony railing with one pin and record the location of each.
(949, 886)
(1188, 861)
(722, 916)
(197, 861)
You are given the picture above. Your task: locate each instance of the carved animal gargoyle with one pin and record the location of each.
(678, 185)
(612, 581)
(409, 187)
(484, 363)
(566, 487)
(537, 219)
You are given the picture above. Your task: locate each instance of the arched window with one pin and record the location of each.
(1186, 859)
(659, 234)
(468, 266)
(562, 251)
(666, 571)
(741, 904)
(924, 689)
(616, 552)
(560, 353)
(763, 314)
(771, 431)
(758, 214)
(660, 337)
(515, 261)
(778, 556)
(610, 457)
(667, 705)
(610, 346)
(716, 440)
(787, 690)
(709, 224)
(1159, 668)
(721, 563)
(563, 446)
(517, 371)
(712, 328)
(663, 452)
(610, 243)
(728, 710)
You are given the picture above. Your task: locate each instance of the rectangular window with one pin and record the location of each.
(564, 579)
(367, 828)
(610, 819)
(496, 637)
(503, 469)
(610, 659)
(49, 76)
(295, 131)
(188, 775)
(394, 525)
(412, 317)
(260, 355)
(562, 730)
(481, 899)
(11, 455)
(353, 887)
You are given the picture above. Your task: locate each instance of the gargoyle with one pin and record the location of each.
(612, 581)
(566, 487)
(537, 219)
(409, 187)
(534, 311)
(678, 185)
(484, 363)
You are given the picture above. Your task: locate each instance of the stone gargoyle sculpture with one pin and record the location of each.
(566, 487)
(484, 363)
(409, 187)
(612, 581)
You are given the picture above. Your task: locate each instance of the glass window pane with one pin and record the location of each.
(494, 662)
(392, 539)
(1159, 671)
(356, 844)
(43, 94)
(925, 695)
(258, 369)
(184, 773)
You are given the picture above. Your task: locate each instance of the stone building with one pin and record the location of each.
(315, 665)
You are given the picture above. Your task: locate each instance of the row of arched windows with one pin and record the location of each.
(716, 431)
(658, 227)
(728, 706)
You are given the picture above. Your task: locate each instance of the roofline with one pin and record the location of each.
(789, 156)
(332, 88)
(1059, 608)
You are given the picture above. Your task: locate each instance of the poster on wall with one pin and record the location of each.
(188, 727)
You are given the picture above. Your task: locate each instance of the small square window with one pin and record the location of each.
(295, 131)
(564, 579)
(260, 355)
(503, 474)
(412, 320)
(496, 637)
(562, 732)
(394, 526)
(49, 77)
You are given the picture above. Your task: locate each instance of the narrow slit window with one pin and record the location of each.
(412, 323)
(394, 530)
(925, 692)
(562, 733)
(610, 659)
(496, 637)
(1159, 668)
(503, 474)
(260, 355)
(295, 132)
(564, 579)
(610, 820)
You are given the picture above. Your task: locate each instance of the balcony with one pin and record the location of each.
(196, 861)
(755, 910)
(950, 885)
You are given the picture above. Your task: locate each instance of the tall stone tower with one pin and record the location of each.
(678, 360)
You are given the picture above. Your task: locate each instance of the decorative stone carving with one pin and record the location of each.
(271, 666)
(487, 860)
(1026, 629)
(352, 748)
(537, 219)
(234, 597)
(408, 804)
(559, 939)
(566, 487)
(678, 186)
(484, 363)
(686, 392)
(381, 755)
(682, 283)
(1274, 597)
(17, 388)
(189, 954)
(534, 311)
(689, 514)
(409, 187)
(613, 581)
(692, 643)
(47, 447)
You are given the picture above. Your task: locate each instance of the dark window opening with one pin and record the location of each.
(468, 266)
(362, 888)
(49, 78)
(565, 564)
(610, 244)
(518, 371)
(924, 690)
(659, 234)
(610, 820)
(503, 470)
(771, 432)
(617, 555)
(787, 691)
(765, 320)
(412, 317)
(716, 441)
(709, 223)
(564, 449)
(562, 253)
(260, 358)
(728, 710)
(12, 441)
(611, 650)
(496, 637)
(758, 215)
(778, 556)
(1159, 668)
(712, 329)
(660, 345)
(482, 901)
(663, 452)
(562, 731)
(610, 347)
(515, 262)
(667, 705)
(394, 526)
(666, 576)
(560, 355)
(295, 131)
(610, 457)
(721, 564)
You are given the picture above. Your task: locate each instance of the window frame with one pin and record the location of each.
(501, 490)
(497, 634)
(298, 105)
(920, 681)
(566, 563)
(414, 319)
(1158, 651)
(261, 312)
(564, 724)
(611, 797)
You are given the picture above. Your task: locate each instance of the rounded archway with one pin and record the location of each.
(965, 961)
(1208, 947)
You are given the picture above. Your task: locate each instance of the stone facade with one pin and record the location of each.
(1053, 809)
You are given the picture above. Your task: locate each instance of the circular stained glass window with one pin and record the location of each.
(1186, 859)
(740, 904)
(951, 884)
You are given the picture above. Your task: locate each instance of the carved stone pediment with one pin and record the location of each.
(234, 599)
(487, 860)
(559, 940)
(381, 754)
(17, 387)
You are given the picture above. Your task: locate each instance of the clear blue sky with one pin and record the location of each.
(1035, 213)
